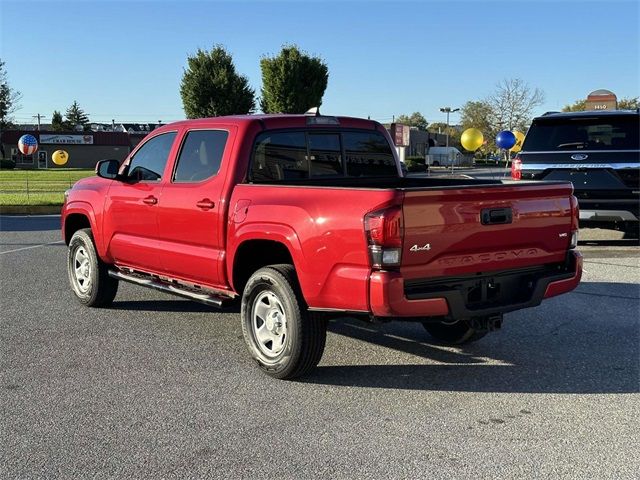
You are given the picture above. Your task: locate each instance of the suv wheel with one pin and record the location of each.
(284, 338)
(453, 333)
(88, 275)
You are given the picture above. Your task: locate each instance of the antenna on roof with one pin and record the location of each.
(313, 111)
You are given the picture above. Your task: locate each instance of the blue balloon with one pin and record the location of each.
(505, 139)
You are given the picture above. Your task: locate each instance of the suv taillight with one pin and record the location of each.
(384, 231)
(516, 168)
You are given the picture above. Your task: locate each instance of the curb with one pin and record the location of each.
(30, 209)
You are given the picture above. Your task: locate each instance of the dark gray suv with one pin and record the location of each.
(599, 152)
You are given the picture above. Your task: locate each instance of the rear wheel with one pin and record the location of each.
(284, 338)
(88, 275)
(453, 333)
(631, 233)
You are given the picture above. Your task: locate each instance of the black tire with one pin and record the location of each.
(305, 333)
(458, 333)
(631, 233)
(98, 289)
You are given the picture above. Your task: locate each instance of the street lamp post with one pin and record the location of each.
(448, 110)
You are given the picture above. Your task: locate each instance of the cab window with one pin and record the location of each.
(149, 161)
(201, 155)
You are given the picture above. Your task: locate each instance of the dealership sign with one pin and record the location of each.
(400, 134)
(67, 139)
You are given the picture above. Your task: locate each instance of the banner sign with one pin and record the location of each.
(67, 139)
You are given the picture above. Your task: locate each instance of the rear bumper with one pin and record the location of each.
(595, 211)
(391, 296)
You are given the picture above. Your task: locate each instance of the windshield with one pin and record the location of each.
(583, 133)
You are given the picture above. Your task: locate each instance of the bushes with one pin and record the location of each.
(7, 164)
(415, 164)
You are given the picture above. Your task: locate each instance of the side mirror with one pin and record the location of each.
(108, 169)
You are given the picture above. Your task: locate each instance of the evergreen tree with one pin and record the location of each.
(211, 87)
(292, 81)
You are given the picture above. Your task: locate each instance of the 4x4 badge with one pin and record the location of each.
(416, 248)
(579, 156)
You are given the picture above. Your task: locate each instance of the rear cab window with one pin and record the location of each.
(613, 132)
(281, 156)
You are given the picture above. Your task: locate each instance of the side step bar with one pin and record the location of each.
(150, 282)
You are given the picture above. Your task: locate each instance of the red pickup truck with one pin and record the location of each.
(309, 217)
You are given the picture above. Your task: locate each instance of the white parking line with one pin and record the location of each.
(32, 246)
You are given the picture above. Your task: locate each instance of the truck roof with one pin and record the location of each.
(273, 121)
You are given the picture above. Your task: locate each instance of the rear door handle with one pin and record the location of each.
(150, 200)
(205, 204)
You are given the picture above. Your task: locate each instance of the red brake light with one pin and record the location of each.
(516, 168)
(384, 231)
(384, 227)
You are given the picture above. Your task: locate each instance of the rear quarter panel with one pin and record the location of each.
(323, 230)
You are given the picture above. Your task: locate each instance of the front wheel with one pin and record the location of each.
(453, 333)
(88, 275)
(284, 338)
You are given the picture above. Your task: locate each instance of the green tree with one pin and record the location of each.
(57, 123)
(437, 127)
(416, 119)
(211, 87)
(9, 99)
(478, 114)
(628, 103)
(577, 106)
(292, 81)
(453, 132)
(75, 116)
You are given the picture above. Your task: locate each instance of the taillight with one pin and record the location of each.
(516, 168)
(384, 231)
(575, 222)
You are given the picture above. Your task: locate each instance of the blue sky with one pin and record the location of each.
(124, 60)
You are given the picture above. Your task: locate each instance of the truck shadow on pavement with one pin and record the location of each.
(581, 343)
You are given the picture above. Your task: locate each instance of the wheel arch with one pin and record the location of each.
(256, 245)
(253, 254)
(79, 215)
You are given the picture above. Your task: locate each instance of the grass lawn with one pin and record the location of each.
(37, 187)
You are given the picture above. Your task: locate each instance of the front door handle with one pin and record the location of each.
(205, 204)
(150, 200)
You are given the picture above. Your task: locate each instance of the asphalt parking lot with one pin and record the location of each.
(158, 387)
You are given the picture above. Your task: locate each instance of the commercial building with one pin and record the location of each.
(84, 148)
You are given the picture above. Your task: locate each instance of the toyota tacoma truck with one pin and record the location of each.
(304, 218)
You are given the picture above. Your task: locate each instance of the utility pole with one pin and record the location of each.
(448, 110)
(38, 116)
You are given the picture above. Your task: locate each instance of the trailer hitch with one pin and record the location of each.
(487, 324)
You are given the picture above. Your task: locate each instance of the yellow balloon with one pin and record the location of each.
(519, 140)
(60, 157)
(471, 139)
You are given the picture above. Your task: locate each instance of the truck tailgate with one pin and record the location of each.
(486, 228)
